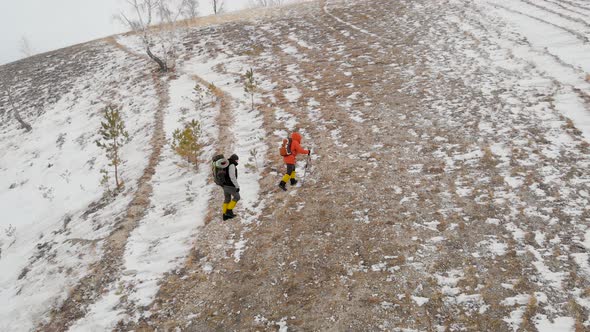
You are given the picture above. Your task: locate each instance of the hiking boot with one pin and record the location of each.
(228, 216)
(282, 185)
(230, 213)
(225, 217)
(293, 182)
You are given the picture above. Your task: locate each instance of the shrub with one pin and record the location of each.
(185, 141)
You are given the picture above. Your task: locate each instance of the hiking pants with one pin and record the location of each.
(290, 173)
(229, 192)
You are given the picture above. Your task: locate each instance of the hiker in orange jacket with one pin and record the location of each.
(290, 160)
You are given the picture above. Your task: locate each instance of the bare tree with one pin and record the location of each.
(15, 110)
(217, 6)
(145, 12)
(191, 9)
(25, 47)
(144, 9)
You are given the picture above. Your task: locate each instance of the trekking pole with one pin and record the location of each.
(307, 165)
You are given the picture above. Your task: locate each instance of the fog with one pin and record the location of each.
(53, 24)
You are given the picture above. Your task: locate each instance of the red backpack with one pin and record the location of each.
(285, 149)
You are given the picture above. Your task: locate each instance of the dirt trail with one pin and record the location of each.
(215, 231)
(224, 118)
(113, 42)
(107, 270)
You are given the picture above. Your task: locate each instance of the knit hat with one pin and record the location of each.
(234, 157)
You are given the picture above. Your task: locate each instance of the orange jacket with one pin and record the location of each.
(295, 149)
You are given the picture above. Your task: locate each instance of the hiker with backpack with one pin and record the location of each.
(225, 174)
(289, 150)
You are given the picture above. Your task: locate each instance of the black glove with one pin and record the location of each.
(237, 190)
(309, 152)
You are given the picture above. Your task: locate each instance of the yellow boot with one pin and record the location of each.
(293, 179)
(283, 182)
(230, 208)
(224, 211)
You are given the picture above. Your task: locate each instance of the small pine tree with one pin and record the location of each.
(250, 85)
(186, 141)
(112, 137)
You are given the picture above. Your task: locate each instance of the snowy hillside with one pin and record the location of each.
(449, 186)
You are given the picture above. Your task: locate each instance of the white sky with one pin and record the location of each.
(53, 24)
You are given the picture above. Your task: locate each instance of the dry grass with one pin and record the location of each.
(529, 179)
(462, 226)
(442, 225)
(529, 238)
(569, 124)
(578, 312)
(471, 280)
(255, 50)
(488, 158)
(527, 318)
(522, 285)
(497, 180)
